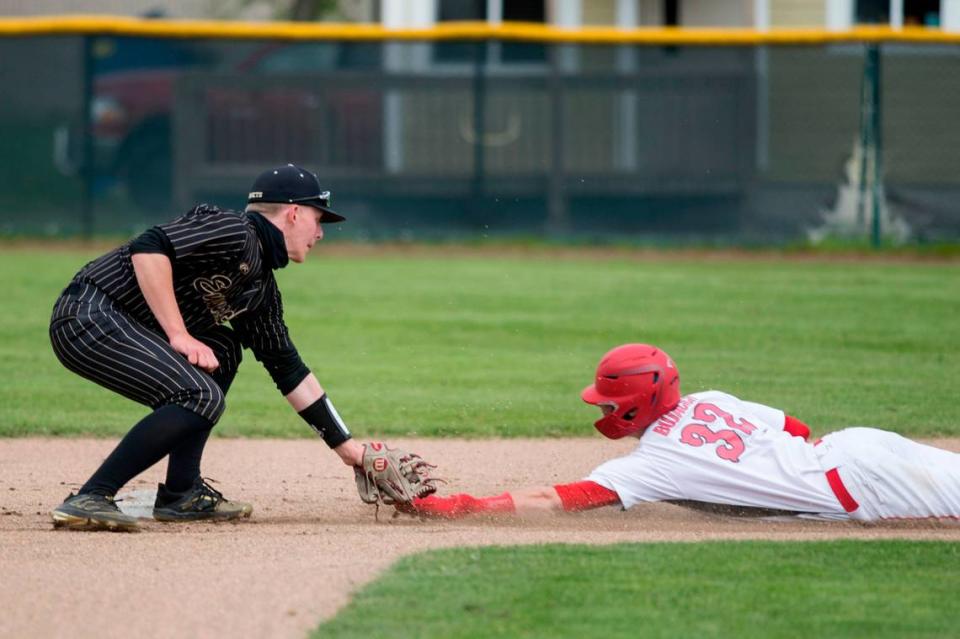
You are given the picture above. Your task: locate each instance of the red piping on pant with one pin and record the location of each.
(836, 485)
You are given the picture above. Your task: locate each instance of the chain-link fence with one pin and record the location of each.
(108, 134)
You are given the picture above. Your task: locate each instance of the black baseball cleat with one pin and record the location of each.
(201, 502)
(92, 512)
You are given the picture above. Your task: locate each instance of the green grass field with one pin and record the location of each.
(716, 589)
(482, 345)
(493, 345)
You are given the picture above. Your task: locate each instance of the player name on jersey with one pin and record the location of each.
(663, 425)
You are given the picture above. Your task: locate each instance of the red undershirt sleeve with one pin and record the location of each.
(796, 428)
(584, 495)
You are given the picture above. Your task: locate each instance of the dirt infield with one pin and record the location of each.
(310, 542)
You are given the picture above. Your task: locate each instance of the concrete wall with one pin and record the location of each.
(797, 13)
(600, 12)
(716, 13)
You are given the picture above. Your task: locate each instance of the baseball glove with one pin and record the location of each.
(391, 476)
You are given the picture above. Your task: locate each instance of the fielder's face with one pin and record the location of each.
(303, 231)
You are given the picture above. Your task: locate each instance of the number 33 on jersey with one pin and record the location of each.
(728, 438)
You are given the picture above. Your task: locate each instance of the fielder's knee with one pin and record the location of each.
(216, 404)
(206, 400)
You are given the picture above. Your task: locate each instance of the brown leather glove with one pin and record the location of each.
(391, 476)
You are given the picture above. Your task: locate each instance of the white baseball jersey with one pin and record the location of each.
(718, 449)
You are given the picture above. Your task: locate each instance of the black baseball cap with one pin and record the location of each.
(291, 184)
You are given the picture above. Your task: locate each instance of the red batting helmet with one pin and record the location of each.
(640, 382)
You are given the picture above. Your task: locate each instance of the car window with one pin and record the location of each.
(325, 56)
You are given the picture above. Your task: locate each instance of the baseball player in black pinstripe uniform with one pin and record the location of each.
(146, 320)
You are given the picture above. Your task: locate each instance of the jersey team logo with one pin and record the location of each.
(212, 289)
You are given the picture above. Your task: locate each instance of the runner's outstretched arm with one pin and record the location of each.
(581, 495)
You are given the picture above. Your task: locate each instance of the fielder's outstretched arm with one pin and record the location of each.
(581, 495)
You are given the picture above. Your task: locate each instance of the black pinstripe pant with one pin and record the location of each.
(94, 338)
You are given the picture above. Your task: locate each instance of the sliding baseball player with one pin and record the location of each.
(714, 449)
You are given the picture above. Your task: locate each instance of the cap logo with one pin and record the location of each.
(255, 195)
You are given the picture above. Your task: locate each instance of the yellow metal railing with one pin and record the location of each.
(527, 32)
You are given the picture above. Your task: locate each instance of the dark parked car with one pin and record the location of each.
(132, 112)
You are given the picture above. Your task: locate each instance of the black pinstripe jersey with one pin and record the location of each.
(219, 275)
